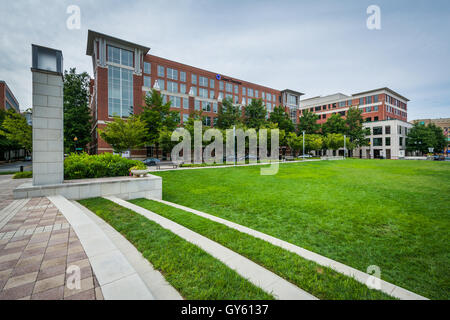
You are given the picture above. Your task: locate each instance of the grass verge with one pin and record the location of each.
(23, 175)
(193, 272)
(389, 213)
(324, 283)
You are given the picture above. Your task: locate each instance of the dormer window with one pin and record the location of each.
(120, 56)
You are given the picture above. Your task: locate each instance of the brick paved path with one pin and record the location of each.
(37, 246)
(7, 185)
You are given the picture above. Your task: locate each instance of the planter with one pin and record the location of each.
(139, 173)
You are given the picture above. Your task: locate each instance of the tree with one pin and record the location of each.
(355, 130)
(294, 142)
(334, 124)
(77, 114)
(334, 141)
(229, 115)
(125, 135)
(421, 138)
(16, 129)
(158, 118)
(6, 144)
(281, 117)
(255, 114)
(308, 122)
(313, 142)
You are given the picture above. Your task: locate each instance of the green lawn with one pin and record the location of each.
(192, 271)
(393, 214)
(323, 283)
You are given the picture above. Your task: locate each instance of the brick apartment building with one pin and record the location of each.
(385, 112)
(7, 99)
(124, 72)
(443, 123)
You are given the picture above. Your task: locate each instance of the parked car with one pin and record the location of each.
(247, 157)
(151, 161)
(439, 158)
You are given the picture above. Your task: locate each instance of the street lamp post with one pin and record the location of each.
(345, 138)
(75, 141)
(304, 145)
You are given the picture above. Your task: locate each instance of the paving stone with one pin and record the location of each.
(76, 256)
(85, 295)
(17, 292)
(53, 262)
(8, 264)
(98, 293)
(85, 284)
(16, 244)
(51, 294)
(10, 257)
(28, 268)
(20, 280)
(49, 272)
(55, 254)
(49, 283)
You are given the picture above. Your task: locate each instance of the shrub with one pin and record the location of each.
(83, 166)
(23, 175)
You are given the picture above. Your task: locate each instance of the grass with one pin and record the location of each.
(321, 282)
(393, 214)
(5, 173)
(193, 272)
(23, 175)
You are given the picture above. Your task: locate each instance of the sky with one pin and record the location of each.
(315, 47)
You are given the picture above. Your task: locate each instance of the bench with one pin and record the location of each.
(174, 165)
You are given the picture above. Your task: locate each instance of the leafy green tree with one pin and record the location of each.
(294, 142)
(158, 117)
(255, 114)
(313, 142)
(334, 124)
(229, 115)
(308, 122)
(334, 141)
(17, 130)
(77, 114)
(125, 135)
(281, 117)
(355, 130)
(422, 137)
(6, 144)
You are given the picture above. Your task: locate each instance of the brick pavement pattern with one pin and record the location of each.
(39, 256)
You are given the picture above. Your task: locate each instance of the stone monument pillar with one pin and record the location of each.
(48, 134)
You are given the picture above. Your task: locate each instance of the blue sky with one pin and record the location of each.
(316, 47)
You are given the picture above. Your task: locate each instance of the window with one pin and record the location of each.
(236, 99)
(375, 99)
(193, 79)
(161, 71)
(399, 129)
(368, 100)
(215, 121)
(211, 94)
(147, 82)
(185, 117)
(172, 74)
(400, 141)
(368, 109)
(361, 101)
(256, 93)
(182, 76)
(120, 56)
(375, 119)
(269, 97)
(377, 131)
(229, 87)
(197, 105)
(206, 106)
(194, 90)
(377, 142)
(120, 91)
(147, 67)
(203, 92)
(220, 85)
(342, 104)
(387, 141)
(375, 108)
(211, 83)
(175, 102)
(215, 108)
(202, 81)
(263, 95)
(186, 103)
(387, 130)
(250, 92)
(236, 89)
(161, 84)
(172, 86)
(349, 102)
(244, 91)
(182, 88)
(207, 121)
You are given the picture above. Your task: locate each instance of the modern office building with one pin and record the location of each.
(385, 112)
(443, 123)
(7, 99)
(124, 72)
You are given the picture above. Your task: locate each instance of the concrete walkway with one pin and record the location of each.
(259, 276)
(117, 278)
(386, 287)
(153, 279)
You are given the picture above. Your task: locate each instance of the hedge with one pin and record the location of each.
(84, 166)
